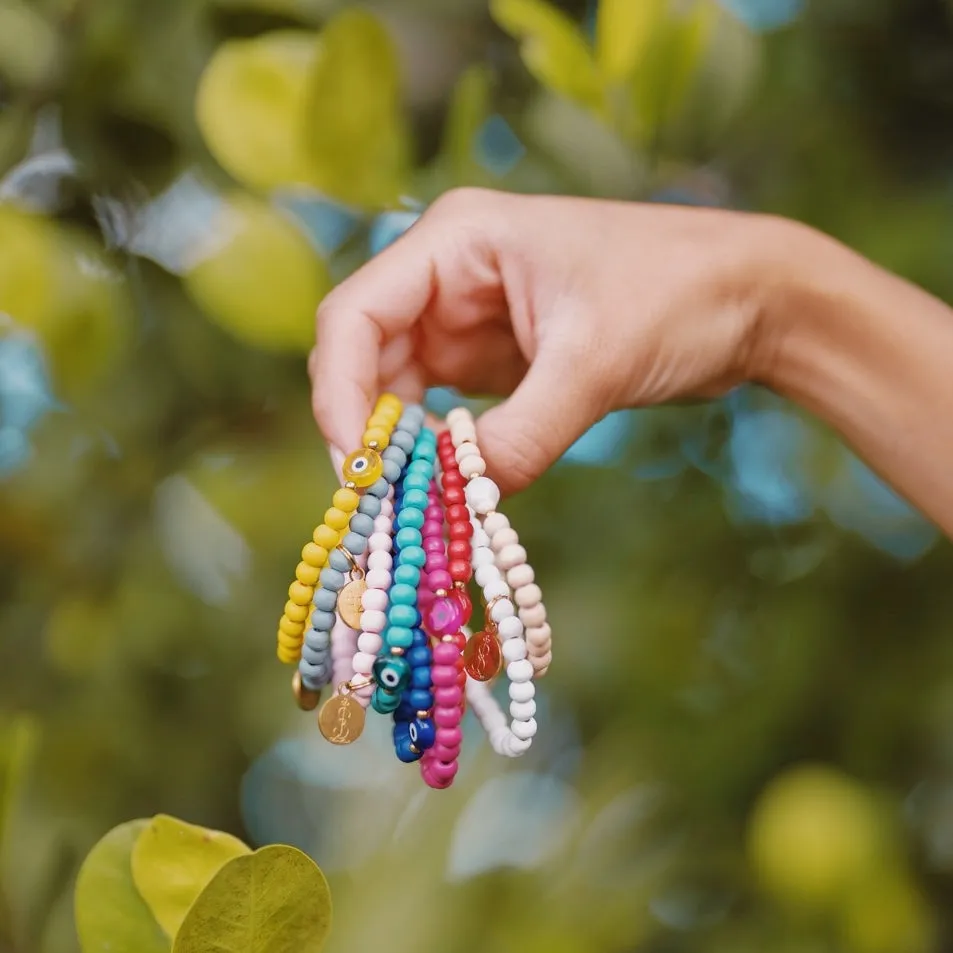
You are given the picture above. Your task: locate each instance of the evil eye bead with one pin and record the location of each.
(406, 750)
(423, 734)
(363, 467)
(392, 674)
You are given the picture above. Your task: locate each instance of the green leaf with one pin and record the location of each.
(358, 141)
(173, 862)
(258, 250)
(273, 901)
(251, 107)
(662, 80)
(624, 28)
(469, 109)
(19, 739)
(553, 48)
(111, 917)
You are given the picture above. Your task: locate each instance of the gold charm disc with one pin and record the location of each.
(349, 603)
(341, 719)
(307, 700)
(483, 657)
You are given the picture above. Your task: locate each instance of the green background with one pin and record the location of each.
(746, 737)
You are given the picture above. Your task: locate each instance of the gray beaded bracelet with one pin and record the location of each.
(341, 582)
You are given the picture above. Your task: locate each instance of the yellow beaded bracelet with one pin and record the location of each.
(361, 469)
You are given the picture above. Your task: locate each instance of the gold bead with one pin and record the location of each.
(315, 555)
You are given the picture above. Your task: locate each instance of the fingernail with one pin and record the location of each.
(337, 461)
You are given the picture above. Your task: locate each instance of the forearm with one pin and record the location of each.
(872, 356)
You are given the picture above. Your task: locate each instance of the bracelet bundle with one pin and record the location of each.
(379, 613)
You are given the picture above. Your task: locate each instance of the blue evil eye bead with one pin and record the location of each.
(384, 702)
(392, 674)
(423, 734)
(406, 750)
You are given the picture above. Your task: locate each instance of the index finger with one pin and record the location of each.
(383, 298)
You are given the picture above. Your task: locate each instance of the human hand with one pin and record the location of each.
(574, 307)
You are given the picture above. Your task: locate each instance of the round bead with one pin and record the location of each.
(510, 628)
(307, 574)
(407, 574)
(300, 594)
(363, 467)
(295, 612)
(510, 556)
(495, 522)
(519, 671)
(373, 620)
(378, 579)
(380, 560)
(295, 629)
(527, 596)
(497, 589)
(501, 610)
(408, 537)
(414, 556)
(513, 650)
(524, 730)
(464, 450)
(539, 634)
(346, 499)
(533, 615)
(520, 576)
(503, 538)
(473, 466)
(399, 637)
(523, 710)
(459, 549)
(453, 495)
(325, 537)
(377, 436)
(314, 555)
(379, 542)
(522, 691)
(403, 616)
(460, 570)
(403, 595)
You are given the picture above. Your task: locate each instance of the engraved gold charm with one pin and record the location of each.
(341, 719)
(349, 603)
(483, 657)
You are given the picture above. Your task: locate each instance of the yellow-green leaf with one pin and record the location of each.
(553, 48)
(273, 901)
(624, 29)
(251, 107)
(111, 917)
(358, 140)
(173, 862)
(469, 109)
(662, 79)
(261, 280)
(19, 741)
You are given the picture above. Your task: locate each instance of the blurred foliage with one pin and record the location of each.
(164, 885)
(746, 737)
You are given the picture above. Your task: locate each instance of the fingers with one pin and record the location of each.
(556, 403)
(446, 257)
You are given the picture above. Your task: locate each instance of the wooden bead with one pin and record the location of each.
(533, 615)
(297, 613)
(307, 574)
(472, 466)
(337, 519)
(528, 596)
(315, 555)
(346, 499)
(300, 594)
(326, 537)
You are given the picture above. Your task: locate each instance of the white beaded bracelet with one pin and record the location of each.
(515, 738)
(483, 497)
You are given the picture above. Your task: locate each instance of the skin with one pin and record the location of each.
(572, 308)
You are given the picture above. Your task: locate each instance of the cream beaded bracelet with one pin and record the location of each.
(483, 497)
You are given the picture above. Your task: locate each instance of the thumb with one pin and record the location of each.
(554, 405)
